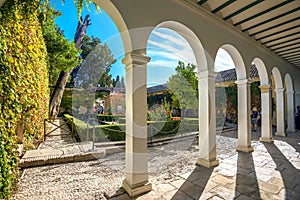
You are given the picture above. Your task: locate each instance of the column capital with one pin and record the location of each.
(290, 92)
(206, 74)
(136, 57)
(265, 88)
(243, 82)
(279, 90)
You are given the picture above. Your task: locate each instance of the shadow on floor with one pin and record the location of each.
(290, 175)
(292, 139)
(246, 180)
(194, 185)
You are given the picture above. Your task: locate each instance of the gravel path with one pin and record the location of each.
(102, 178)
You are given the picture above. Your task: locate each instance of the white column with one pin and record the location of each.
(280, 111)
(136, 169)
(266, 114)
(290, 111)
(207, 119)
(244, 124)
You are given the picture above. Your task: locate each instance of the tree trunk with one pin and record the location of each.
(58, 92)
(81, 30)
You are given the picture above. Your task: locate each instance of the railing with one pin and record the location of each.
(60, 126)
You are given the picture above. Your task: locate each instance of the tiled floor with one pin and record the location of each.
(270, 172)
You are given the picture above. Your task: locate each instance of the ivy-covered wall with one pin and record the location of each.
(23, 84)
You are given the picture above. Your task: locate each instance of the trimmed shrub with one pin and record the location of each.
(122, 120)
(109, 118)
(103, 133)
(116, 132)
(167, 128)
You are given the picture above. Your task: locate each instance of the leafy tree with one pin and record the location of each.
(106, 78)
(96, 65)
(23, 82)
(62, 54)
(231, 102)
(122, 82)
(183, 87)
(256, 95)
(231, 99)
(88, 44)
(115, 81)
(119, 83)
(80, 4)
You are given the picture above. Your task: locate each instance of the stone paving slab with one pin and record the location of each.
(42, 152)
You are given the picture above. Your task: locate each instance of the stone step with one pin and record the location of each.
(59, 159)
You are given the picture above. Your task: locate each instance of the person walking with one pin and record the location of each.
(297, 118)
(254, 118)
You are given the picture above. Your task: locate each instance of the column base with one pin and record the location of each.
(206, 163)
(266, 139)
(282, 134)
(134, 191)
(292, 130)
(245, 149)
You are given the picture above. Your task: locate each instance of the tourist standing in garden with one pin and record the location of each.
(254, 118)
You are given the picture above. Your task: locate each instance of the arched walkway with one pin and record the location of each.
(194, 23)
(266, 105)
(279, 90)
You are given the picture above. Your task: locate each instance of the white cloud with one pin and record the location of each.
(223, 61)
(161, 53)
(170, 38)
(163, 63)
(185, 53)
(166, 48)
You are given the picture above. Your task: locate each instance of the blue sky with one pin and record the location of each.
(165, 47)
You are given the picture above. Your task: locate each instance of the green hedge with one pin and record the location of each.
(116, 132)
(109, 118)
(101, 117)
(103, 133)
(167, 128)
(122, 120)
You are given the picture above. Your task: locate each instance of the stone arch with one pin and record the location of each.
(288, 82)
(277, 78)
(206, 87)
(279, 90)
(289, 102)
(262, 71)
(191, 38)
(243, 87)
(266, 106)
(237, 60)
